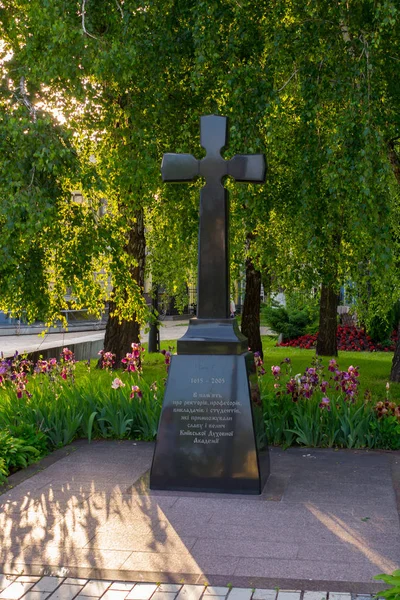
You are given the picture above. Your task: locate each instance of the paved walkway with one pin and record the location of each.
(327, 521)
(170, 330)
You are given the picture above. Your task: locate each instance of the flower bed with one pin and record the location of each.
(318, 410)
(348, 338)
(44, 406)
(49, 404)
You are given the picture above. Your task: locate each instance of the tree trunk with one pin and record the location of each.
(327, 335)
(251, 308)
(394, 159)
(120, 335)
(395, 163)
(395, 372)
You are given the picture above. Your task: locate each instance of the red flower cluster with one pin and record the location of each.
(304, 341)
(348, 338)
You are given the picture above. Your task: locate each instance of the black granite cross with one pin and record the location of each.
(213, 273)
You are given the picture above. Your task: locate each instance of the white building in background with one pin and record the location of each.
(279, 298)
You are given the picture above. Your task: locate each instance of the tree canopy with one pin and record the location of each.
(313, 85)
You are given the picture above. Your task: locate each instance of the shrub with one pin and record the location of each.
(3, 471)
(15, 453)
(289, 323)
(393, 580)
(380, 327)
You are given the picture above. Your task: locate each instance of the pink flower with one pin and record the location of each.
(325, 403)
(136, 392)
(117, 383)
(107, 359)
(258, 361)
(324, 385)
(133, 360)
(42, 366)
(130, 363)
(332, 365)
(167, 358)
(20, 380)
(67, 355)
(275, 370)
(353, 371)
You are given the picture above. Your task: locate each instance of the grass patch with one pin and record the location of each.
(374, 366)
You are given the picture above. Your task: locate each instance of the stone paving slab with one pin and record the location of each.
(315, 596)
(113, 590)
(15, 590)
(92, 515)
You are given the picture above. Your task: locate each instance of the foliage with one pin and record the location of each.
(3, 470)
(310, 84)
(301, 300)
(291, 322)
(386, 432)
(31, 435)
(122, 111)
(380, 327)
(15, 453)
(41, 228)
(393, 580)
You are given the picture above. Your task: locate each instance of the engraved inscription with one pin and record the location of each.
(208, 415)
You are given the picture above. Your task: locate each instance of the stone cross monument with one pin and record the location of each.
(210, 435)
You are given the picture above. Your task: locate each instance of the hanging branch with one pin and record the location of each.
(119, 8)
(85, 31)
(347, 38)
(32, 111)
(32, 178)
(25, 100)
(291, 77)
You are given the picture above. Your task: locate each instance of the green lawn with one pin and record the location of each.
(153, 366)
(374, 366)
